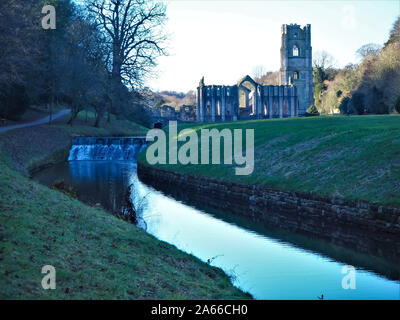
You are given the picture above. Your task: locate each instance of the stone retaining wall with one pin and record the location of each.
(365, 227)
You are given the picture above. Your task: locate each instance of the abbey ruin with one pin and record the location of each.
(250, 100)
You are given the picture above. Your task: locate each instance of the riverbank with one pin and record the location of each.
(96, 255)
(334, 178)
(351, 158)
(367, 229)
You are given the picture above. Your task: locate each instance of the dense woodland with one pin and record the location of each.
(97, 57)
(372, 86)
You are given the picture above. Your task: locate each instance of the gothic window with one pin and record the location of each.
(296, 75)
(295, 51)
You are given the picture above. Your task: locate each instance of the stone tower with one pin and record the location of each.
(296, 63)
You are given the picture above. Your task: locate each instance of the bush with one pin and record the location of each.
(344, 106)
(13, 102)
(377, 102)
(318, 88)
(397, 105)
(357, 102)
(312, 111)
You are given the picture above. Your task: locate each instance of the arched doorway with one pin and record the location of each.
(247, 95)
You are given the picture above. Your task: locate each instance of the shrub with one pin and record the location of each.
(344, 106)
(357, 102)
(312, 111)
(318, 88)
(397, 105)
(377, 102)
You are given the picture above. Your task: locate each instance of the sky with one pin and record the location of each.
(225, 40)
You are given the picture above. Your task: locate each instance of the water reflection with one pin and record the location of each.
(103, 182)
(269, 267)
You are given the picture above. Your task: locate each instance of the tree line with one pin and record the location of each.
(371, 86)
(97, 57)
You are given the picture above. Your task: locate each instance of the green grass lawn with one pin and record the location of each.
(83, 125)
(355, 157)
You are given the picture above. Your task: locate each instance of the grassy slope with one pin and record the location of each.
(348, 157)
(83, 126)
(33, 147)
(96, 255)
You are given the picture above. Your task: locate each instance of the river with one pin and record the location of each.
(267, 263)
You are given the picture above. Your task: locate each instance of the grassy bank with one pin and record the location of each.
(354, 158)
(83, 126)
(96, 255)
(30, 148)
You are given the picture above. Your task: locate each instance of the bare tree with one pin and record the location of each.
(258, 72)
(262, 76)
(134, 36)
(190, 98)
(77, 64)
(324, 60)
(269, 78)
(370, 50)
(394, 33)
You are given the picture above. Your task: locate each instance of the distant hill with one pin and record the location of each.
(177, 99)
(176, 94)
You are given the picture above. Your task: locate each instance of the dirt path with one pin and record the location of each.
(36, 122)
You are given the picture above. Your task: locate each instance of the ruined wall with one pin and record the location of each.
(222, 103)
(293, 97)
(365, 227)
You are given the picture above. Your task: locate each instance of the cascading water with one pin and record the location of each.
(106, 148)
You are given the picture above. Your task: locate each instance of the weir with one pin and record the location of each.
(106, 148)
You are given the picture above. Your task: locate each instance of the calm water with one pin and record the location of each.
(267, 263)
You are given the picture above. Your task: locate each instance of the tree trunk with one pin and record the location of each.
(100, 115)
(116, 80)
(74, 114)
(51, 108)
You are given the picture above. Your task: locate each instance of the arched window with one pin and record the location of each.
(296, 75)
(295, 51)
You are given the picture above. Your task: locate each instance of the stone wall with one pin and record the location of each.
(365, 227)
(295, 36)
(222, 103)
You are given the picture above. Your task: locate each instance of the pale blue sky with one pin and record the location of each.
(225, 40)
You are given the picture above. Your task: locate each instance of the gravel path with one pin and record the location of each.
(36, 122)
